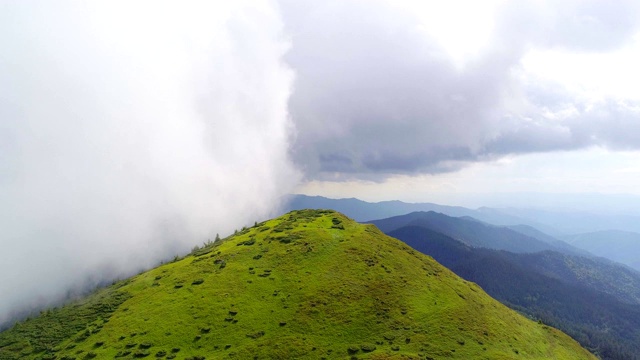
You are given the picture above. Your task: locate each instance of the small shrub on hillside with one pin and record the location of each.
(161, 353)
(289, 238)
(256, 335)
(353, 349)
(141, 353)
(247, 242)
(83, 336)
(367, 347)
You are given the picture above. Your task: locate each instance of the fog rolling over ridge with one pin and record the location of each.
(130, 132)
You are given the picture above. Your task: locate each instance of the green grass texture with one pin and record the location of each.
(312, 284)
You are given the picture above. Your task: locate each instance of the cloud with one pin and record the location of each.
(376, 96)
(131, 132)
(571, 24)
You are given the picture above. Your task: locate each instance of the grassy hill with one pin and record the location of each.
(310, 284)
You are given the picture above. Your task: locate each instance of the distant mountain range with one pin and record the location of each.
(616, 237)
(552, 222)
(475, 233)
(594, 300)
(617, 245)
(366, 211)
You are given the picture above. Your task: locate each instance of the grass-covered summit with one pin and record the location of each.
(310, 284)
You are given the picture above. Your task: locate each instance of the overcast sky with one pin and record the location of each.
(132, 130)
(422, 100)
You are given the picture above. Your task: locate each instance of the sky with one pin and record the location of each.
(433, 100)
(131, 131)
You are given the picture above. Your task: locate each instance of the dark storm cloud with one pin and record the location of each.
(374, 96)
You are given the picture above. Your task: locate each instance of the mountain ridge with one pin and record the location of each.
(617, 245)
(309, 284)
(470, 231)
(544, 285)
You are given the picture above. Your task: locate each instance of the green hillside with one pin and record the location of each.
(310, 284)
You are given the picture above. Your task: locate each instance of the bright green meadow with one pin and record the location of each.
(311, 284)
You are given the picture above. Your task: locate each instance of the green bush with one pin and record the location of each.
(141, 353)
(367, 347)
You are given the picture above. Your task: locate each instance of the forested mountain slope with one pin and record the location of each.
(566, 291)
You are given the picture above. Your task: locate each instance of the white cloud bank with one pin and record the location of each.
(131, 131)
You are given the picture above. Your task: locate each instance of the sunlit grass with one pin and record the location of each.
(310, 284)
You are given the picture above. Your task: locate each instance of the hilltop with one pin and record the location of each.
(309, 284)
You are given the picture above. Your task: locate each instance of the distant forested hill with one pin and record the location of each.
(596, 303)
(552, 222)
(617, 245)
(473, 232)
